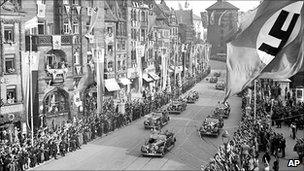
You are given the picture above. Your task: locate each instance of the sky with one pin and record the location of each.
(200, 5)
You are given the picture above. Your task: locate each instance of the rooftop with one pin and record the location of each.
(222, 5)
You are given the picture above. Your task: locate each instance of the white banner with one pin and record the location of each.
(89, 11)
(40, 10)
(56, 42)
(141, 50)
(78, 8)
(65, 2)
(67, 9)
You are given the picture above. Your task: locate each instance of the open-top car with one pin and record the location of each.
(213, 80)
(220, 86)
(158, 144)
(156, 119)
(217, 74)
(210, 127)
(192, 97)
(223, 110)
(177, 107)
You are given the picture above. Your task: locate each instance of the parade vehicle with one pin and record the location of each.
(213, 80)
(158, 144)
(217, 74)
(220, 86)
(156, 119)
(223, 110)
(192, 97)
(177, 106)
(210, 127)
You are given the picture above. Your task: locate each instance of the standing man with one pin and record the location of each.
(283, 145)
(293, 130)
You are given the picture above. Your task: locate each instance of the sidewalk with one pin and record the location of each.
(290, 154)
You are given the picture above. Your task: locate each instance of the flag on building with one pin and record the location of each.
(56, 42)
(32, 23)
(211, 18)
(40, 10)
(269, 43)
(94, 17)
(31, 86)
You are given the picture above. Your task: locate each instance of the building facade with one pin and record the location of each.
(223, 18)
(11, 41)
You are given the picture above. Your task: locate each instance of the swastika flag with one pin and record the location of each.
(268, 44)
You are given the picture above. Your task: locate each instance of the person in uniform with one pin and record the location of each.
(54, 149)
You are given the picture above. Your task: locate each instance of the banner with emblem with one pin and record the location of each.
(40, 10)
(89, 11)
(56, 42)
(78, 9)
(269, 44)
(67, 9)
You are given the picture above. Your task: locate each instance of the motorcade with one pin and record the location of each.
(159, 143)
(220, 86)
(213, 80)
(177, 106)
(192, 97)
(223, 110)
(210, 127)
(156, 119)
(217, 74)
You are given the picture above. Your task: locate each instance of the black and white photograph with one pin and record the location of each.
(192, 85)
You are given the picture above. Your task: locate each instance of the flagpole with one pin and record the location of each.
(255, 100)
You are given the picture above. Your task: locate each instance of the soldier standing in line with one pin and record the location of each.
(283, 145)
(54, 149)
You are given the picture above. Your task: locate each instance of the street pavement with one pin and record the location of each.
(121, 149)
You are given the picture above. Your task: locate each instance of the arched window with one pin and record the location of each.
(56, 102)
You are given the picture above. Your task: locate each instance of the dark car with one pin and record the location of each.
(217, 74)
(220, 86)
(156, 120)
(210, 127)
(223, 110)
(213, 80)
(177, 107)
(158, 144)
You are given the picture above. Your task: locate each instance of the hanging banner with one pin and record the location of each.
(67, 9)
(89, 11)
(32, 23)
(141, 50)
(40, 10)
(78, 69)
(78, 8)
(56, 42)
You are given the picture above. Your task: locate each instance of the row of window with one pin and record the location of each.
(139, 16)
(135, 35)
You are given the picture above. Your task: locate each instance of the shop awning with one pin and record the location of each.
(147, 78)
(111, 84)
(125, 81)
(154, 76)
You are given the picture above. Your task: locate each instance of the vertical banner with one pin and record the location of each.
(140, 52)
(67, 9)
(99, 76)
(40, 10)
(32, 99)
(56, 42)
(78, 8)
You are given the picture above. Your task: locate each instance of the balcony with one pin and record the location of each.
(47, 40)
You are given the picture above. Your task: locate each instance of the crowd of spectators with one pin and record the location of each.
(21, 153)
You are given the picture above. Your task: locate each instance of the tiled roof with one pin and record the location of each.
(222, 5)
